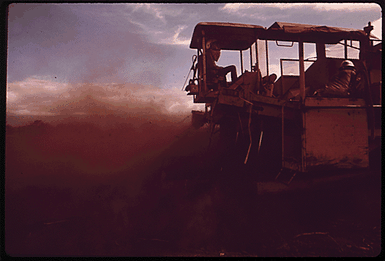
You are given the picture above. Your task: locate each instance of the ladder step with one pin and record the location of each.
(285, 176)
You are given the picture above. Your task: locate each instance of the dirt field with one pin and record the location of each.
(78, 190)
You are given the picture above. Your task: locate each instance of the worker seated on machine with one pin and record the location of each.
(341, 83)
(217, 74)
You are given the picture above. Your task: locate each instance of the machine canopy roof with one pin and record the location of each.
(234, 36)
(229, 36)
(312, 33)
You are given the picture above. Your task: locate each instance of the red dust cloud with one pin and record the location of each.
(91, 155)
(95, 132)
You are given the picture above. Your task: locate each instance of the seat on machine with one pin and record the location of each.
(248, 81)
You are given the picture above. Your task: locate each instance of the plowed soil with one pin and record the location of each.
(83, 191)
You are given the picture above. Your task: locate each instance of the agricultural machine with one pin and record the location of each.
(277, 102)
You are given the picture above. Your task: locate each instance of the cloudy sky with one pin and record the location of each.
(130, 56)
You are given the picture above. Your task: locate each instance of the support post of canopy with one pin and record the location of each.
(320, 47)
(346, 49)
(251, 59)
(301, 71)
(256, 56)
(241, 54)
(204, 62)
(267, 58)
(302, 94)
(256, 60)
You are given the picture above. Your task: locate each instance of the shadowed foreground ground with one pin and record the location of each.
(116, 193)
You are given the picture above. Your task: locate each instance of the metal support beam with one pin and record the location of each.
(301, 71)
(267, 58)
(204, 62)
(241, 54)
(283, 135)
(251, 59)
(303, 141)
(346, 49)
(257, 62)
(256, 56)
(320, 47)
